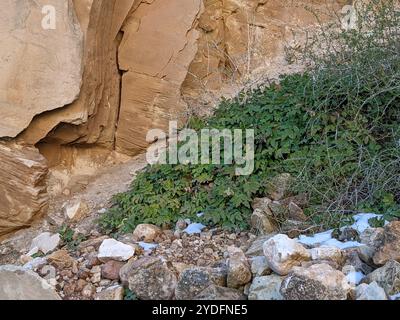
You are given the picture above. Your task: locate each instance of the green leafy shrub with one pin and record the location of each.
(70, 238)
(334, 128)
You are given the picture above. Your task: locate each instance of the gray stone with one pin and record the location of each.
(17, 283)
(191, 282)
(150, 278)
(370, 291)
(318, 282)
(266, 288)
(259, 266)
(387, 277)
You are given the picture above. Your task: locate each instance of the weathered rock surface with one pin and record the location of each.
(23, 188)
(262, 223)
(283, 254)
(17, 283)
(158, 46)
(111, 269)
(191, 282)
(278, 187)
(61, 259)
(390, 249)
(327, 253)
(370, 291)
(40, 68)
(266, 288)
(372, 238)
(259, 266)
(318, 282)
(146, 232)
(239, 272)
(388, 277)
(150, 278)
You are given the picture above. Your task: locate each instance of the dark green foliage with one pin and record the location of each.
(70, 238)
(334, 128)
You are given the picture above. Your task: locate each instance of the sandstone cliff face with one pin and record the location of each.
(113, 69)
(40, 69)
(23, 186)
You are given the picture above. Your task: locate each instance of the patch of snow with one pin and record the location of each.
(326, 239)
(316, 239)
(342, 245)
(194, 228)
(361, 221)
(147, 246)
(355, 277)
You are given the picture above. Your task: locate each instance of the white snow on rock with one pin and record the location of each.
(194, 228)
(355, 277)
(361, 221)
(147, 246)
(325, 238)
(112, 249)
(342, 245)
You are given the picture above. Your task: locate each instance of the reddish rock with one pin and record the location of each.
(111, 269)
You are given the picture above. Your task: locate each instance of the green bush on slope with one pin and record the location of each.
(334, 128)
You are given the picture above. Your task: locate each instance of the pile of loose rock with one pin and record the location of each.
(212, 264)
(195, 262)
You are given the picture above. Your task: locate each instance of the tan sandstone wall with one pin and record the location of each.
(113, 69)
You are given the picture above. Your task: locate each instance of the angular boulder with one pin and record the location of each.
(283, 254)
(370, 291)
(191, 282)
(390, 249)
(239, 272)
(259, 266)
(387, 277)
(17, 283)
(150, 278)
(266, 288)
(318, 282)
(146, 232)
(111, 249)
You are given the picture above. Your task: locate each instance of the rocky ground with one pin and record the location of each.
(275, 261)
